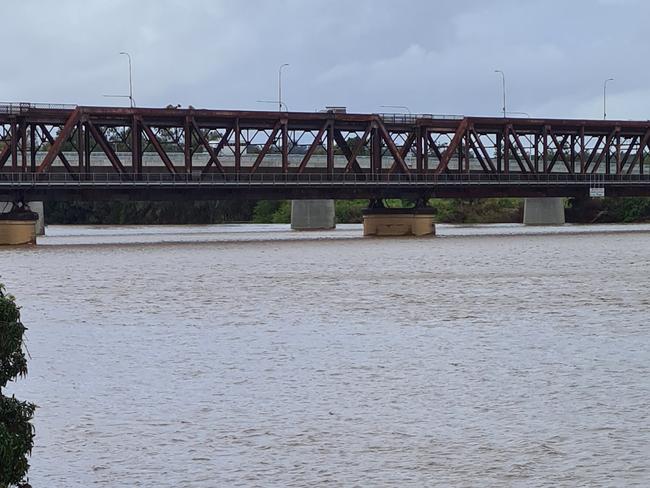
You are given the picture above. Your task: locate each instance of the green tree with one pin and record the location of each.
(272, 212)
(16, 430)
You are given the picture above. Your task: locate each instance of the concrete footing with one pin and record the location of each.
(313, 214)
(398, 222)
(544, 211)
(17, 226)
(17, 232)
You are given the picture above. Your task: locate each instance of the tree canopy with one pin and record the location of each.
(16, 430)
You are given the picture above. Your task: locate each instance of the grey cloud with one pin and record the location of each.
(432, 56)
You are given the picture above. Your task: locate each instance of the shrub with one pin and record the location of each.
(16, 430)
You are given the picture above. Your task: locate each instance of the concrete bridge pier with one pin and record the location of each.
(313, 214)
(544, 211)
(18, 224)
(40, 223)
(381, 221)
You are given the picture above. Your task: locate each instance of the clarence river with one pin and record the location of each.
(253, 356)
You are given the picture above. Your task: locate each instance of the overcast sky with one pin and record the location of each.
(432, 56)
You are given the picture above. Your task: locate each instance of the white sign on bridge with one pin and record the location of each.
(597, 192)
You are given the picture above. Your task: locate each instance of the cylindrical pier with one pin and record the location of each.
(544, 211)
(313, 214)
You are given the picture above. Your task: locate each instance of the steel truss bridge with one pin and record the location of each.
(67, 152)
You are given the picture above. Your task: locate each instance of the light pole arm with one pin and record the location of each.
(503, 83)
(280, 86)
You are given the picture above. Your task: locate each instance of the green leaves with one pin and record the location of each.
(16, 439)
(12, 358)
(16, 430)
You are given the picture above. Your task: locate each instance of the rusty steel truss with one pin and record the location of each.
(94, 152)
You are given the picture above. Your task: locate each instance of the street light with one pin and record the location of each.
(503, 79)
(130, 95)
(280, 85)
(605, 97)
(124, 53)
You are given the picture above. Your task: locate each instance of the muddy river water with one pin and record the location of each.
(255, 356)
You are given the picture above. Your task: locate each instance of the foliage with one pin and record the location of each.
(126, 212)
(458, 211)
(627, 209)
(16, 430)
(350, 211)
(607, 210)
(272, 212)
(475, 211)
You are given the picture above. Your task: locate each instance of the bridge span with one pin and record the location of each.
(70, 152)
(73, 152)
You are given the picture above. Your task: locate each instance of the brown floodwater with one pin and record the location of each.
(254, 356)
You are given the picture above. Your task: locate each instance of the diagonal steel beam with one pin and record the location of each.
(267, 146)
(477, 153)
(601, 156)
(62, 137)
(593, 153)
(357, 150)
(453, 145)
(4, 155)
(392, 148)
(106, 147)
(158, 147)
(404, 150)
(312, 148)
(627, 154)
(51, 140)
(638, 158)
(347, 152)
(559, 152)
(486, 155)
(434, 146)
(214, 153)
(479, 156)
(522, 150)
(518, 159)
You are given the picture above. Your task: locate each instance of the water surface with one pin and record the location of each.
(254, 356)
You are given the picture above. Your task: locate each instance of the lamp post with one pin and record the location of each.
(503, 81)
(130, 78)
(280, 86)
(605, 97)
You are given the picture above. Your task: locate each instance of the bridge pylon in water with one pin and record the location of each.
(378, 220)
(18, 225)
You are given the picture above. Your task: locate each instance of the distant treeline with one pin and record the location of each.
(168, 212)
(456, 211)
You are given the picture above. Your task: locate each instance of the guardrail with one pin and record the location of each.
(16, 108)
(316, 179)
(413, 118)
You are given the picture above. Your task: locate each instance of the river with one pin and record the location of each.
(222, 356)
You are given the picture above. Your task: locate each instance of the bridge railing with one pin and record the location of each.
(315, 179)
(17, 108)
(392, 118)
